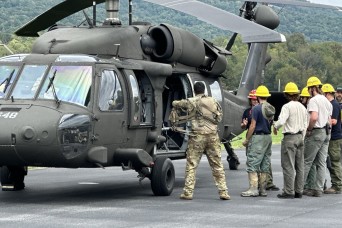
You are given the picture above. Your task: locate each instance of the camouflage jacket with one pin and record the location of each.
(208, 113)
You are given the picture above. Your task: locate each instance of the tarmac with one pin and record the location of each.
(56, 197)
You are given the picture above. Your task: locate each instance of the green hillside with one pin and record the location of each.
(315, 24)
(313, 47)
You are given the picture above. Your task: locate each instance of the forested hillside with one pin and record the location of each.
(315, 24)
(313, 47)
(296, 60)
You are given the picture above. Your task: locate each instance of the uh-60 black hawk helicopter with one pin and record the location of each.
(100, 95)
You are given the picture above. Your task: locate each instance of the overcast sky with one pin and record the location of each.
(328, 2)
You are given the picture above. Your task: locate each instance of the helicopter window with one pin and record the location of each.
(216, 91)
(136, 98)
(7, 76)
(71, 84)
(205, 90)
(111, 96)
(29, 81)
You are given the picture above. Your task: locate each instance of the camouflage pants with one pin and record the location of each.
(334, 152)
(210, 145)
(315, 156)
(259, 154)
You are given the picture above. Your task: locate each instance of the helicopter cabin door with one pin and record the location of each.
(110, 107)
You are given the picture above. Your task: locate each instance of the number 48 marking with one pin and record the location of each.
(8, 115)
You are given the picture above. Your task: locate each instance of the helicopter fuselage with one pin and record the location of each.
(81, 111)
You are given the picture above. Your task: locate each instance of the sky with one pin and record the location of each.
(328, 2)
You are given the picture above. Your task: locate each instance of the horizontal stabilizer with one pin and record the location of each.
(251, 32)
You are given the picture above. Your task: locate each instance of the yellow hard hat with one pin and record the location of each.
(305, 92)
(328, 88)
(313, 81)
(262, 91)
(291, 88)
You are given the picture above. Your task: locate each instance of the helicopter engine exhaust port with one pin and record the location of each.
(173, 44)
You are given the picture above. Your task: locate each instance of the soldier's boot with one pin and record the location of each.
(224, 195)
(186, 195)
(253, 186)
(262, 184)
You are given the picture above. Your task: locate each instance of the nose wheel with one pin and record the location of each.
(162, 177)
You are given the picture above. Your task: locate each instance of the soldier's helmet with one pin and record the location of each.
(291, 88)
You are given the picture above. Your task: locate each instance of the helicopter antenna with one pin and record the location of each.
(130, 12)
(94, 13)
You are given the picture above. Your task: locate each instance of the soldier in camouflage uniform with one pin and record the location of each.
(203, 139)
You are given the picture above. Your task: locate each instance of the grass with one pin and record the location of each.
(276, 139)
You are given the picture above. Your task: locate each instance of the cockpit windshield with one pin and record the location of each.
(61, 83)
(29, 81)
(7, 76)
(67, 83)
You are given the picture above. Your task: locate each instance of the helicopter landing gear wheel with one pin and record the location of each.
(162, 177)
(12, 178)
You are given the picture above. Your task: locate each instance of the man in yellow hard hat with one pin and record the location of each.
(304, 96)
(334, 150)
(317, 137)
(293, 116)
(258, 142)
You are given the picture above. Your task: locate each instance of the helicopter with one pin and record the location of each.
(97, 96)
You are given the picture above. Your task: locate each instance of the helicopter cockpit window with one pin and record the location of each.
(110, 95)
(69, 83)
(29, 81)
(7, 76)
(216, 91)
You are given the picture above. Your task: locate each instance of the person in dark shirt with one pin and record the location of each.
(258, 142)
(334, 150)
(247, 114)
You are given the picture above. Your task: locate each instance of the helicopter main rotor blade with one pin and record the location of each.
(297, 3)
(56, 13)
(251, 32)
